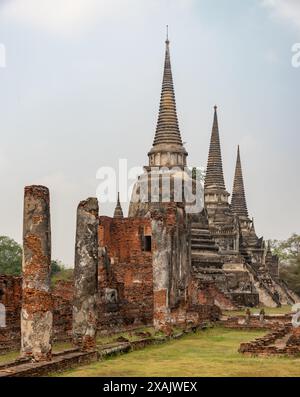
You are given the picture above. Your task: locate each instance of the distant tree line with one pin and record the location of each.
(11, 259)
(288, 252)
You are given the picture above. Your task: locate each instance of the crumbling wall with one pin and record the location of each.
(207, 293)
(285, 340)
(10, 298)
(144, 267)
(62, 294)
(228, 289)
(125, 272)
(256, 321)
(245, 299)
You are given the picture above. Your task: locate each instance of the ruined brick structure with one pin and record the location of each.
(284, 340)
(144, 269)
(146, 258)
(125, 272)
(163, 264)
(247, 262)
(172, 261)
(225, 255)
(10, 299)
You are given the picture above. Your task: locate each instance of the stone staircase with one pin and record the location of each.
(267, 294)
(205, 252)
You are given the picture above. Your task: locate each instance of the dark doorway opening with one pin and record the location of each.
(147, 244)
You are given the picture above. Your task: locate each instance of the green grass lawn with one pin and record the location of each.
(10, 356)
(208, 353)
(13, 355)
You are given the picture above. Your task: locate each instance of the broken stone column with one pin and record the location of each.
(36, 312)
(86, 275)
(161, 274)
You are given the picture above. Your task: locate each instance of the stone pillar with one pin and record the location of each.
(36, 313)
(161, 253)
(86, 275)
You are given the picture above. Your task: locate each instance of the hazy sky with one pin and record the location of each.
(82, 84)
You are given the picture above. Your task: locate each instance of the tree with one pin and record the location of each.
(288, 252)
(291, 275)
(65, 274)
(56, 267)
(60, 272)
(10, 256)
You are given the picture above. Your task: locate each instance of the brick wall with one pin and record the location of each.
(282, 341)
(256, 322)
(125, 272)
(11, 298)
(62, 310)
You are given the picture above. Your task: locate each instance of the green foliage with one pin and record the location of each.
(288, 252)
(291, 275)
(56, 267)
(60, 272)
(63, 274)
(10, 256)
(11, 259)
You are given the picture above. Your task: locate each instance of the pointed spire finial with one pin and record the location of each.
(238, 202)
(167, 39)
(118, 210)
(167, 135)
(214, 172)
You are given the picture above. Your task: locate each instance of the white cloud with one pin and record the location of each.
(72, 16)
(287, 10)
(67, 16)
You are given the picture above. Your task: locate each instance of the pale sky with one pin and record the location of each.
(81, 90)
